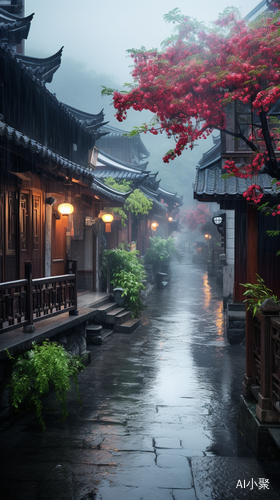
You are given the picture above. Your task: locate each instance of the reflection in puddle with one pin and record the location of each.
(206, 291)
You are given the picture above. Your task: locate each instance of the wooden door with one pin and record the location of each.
(10, 266)
(25, 241)
(30, 232)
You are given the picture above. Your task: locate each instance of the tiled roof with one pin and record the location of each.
(89, 121)
(173, 196)
(66, 167)
(208, 183)
(15, 59)
(105, 160)
(42, 69)
(151, 195)
(14, 28)
(116, 132)
(213, 155)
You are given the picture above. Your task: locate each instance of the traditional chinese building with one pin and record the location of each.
(47, 157)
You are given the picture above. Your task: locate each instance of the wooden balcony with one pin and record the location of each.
(26, 301)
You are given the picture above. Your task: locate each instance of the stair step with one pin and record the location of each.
(106, 333)
(111, 316)
(122, 317)
(128, 327)
(275, 434)
(93, 329)
(109, 306)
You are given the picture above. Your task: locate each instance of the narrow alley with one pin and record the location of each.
(158, 419)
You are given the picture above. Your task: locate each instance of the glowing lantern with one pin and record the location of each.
(170, 219)
(65, 208)
(154, 225)
(107, 218)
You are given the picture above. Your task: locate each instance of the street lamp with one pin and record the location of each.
(107, 218)
(65, 208)
(219, 220)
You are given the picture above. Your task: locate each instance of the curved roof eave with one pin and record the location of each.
(208, 183)
(105, 159)
(67, 167)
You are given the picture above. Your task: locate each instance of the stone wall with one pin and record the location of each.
(71, 337)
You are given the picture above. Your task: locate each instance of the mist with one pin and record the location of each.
(95, 37)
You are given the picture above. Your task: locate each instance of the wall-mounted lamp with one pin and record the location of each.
(219, 220)
(65, 208)
(107, 218)
(154, 225)
(50, 200)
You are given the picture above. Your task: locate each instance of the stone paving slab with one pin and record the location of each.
(222, 478)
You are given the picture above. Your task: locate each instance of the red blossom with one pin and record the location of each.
(190, 83)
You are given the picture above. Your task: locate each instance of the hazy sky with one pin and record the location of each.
(95, 35)
(99, 32)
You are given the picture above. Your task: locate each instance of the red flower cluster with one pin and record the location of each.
(194, 218)
(253, 193)
(189, 85)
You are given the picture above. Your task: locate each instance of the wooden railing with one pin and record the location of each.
(26, 301)
(263, 365)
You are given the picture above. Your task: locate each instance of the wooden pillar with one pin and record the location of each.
(129, 227)
(252, 269)
(29, 328)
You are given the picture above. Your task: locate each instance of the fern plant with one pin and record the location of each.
(256, 293)
(35, 372)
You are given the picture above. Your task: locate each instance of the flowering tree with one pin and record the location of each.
(201, 70)
(195, 217)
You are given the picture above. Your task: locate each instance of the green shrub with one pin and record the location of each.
(35, 372)
(127, 272)
(132, 287)
(256, 294)
(160, 251)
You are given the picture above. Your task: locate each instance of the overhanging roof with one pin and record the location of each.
(42, 69)
(65, 167)
(107, 166)
(210, 186)
(14, 28)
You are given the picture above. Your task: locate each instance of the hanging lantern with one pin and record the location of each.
(154, 225)
(170, 219)
(65, 208)
(107, 218)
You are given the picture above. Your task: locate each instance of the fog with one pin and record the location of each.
(95, 36)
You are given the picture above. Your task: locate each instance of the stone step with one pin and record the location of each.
(122, 317)
(93, 329)
(106, 333)
(109, 306)
(100, 302)
(100, 337)
(128, 327)
(111, 316)
(275, 434)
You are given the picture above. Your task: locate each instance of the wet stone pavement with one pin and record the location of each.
(158, 419)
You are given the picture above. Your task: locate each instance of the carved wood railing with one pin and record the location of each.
(26, 301)
(275, 363)
(263, 366)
